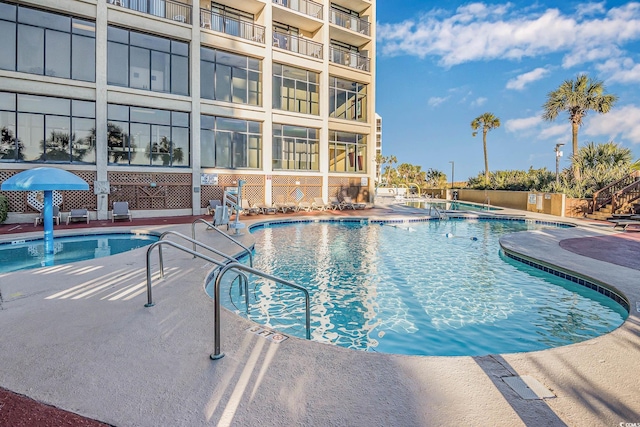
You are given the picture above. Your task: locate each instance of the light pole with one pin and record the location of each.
(452, 170)
(558, 155)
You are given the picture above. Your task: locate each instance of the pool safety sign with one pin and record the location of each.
(272, 336)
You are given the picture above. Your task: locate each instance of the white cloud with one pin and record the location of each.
(480, 32)
(517, 125)
(556, 130)
(623, 70)
(434, 101)
(619, 123)
(590, 9)
(479, 102)
(524, 79)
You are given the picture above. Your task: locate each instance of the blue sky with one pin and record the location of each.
(442, 63)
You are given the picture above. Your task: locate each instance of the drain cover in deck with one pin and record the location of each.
(528, 387)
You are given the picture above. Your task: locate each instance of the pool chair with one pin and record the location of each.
(304, 206)
(120, 211)
(265, 209)
(78, 215)
(247, 209)
(349, 203)
(221, 216)
(283, 206)
(212, 206)
(334, 203)
(56, 217)
(319, 204)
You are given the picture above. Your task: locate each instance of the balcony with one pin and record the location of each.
(303, 14)
(232, 26)
(167, 9)
(355, 5)
(297, 44)
(348, 58)
(349, 28)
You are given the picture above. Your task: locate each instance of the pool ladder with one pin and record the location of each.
(439, 214)
(231, 264)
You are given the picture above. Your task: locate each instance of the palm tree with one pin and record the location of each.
(487, 122)
(390, 160)
(578, 97)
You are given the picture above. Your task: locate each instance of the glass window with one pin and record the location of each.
(347, 100)
(31, 134)
(147, 136)
(83, 141)
(347, 152)
(230, 76)
(294, 89)
(46, 43)
(295, 148)
(230, 143)
(9, 144)
(147, 62)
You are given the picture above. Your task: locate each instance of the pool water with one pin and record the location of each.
(25, 254)
(429, 288)
(453, 206)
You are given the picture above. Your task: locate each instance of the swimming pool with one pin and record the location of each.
(451, 205)
(22, 254)
(423, 288)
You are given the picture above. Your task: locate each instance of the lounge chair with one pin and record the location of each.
(335, 203)
(212, 206)
(304, 206)
(221, 216)
(78, 215)
(265, 209)
(285, 207)
(247, 209)
(120, 211)
(319, 204)
(56, 217)
(353, 205)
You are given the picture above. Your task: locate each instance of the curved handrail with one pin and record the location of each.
(210, 225)
(195, 243)
(417, 187)
(216, 300)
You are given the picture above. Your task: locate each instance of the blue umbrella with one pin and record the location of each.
(47, 180)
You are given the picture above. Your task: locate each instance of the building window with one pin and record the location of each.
(38, 42)
(230, 143)
(143, 61)
(45, 129)
(295, 89)
(229, 77)
(347, 152)
(147, 137)
(347, 100)
(295, 148)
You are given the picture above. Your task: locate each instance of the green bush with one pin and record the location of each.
(4, 208)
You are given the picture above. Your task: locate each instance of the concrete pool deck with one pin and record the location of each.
(78, 337)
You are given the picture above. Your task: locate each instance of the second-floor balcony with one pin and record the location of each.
(350, 22)
(168, 9)
(232, 26)
(349, 58)
(297, 44)
(306, 7)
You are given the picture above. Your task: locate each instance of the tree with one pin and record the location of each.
(436, 178)
(390, 160)
(578, 97)
(487, 122)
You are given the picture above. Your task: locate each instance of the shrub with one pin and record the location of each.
(4, 208)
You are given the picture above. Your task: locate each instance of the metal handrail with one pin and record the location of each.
(195, 243)
(169, 9)
(349, 58)
(211, 226)
(232, 26)
(441, 215)
(307, 7)
(350, 22)
(486, 202)
(216, 300)
(297, 44)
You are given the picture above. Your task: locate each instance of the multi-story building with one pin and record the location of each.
(378, 146)
(164, 103)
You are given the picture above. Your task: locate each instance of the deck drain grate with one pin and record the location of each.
(528, 387)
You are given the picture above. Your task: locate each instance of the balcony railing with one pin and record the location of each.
(297, 44)
(232, 26)
(350, 22)
(307, 7)
(168, 9)
(349, 58)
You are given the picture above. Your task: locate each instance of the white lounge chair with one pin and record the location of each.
(212, 206)
(319, 204)
(120, 211)
(221, 216)
(247, 209)
(335, 203)
(56, 217)
(265, 209)
(78, 215)
(304, 206)
(348, 202)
